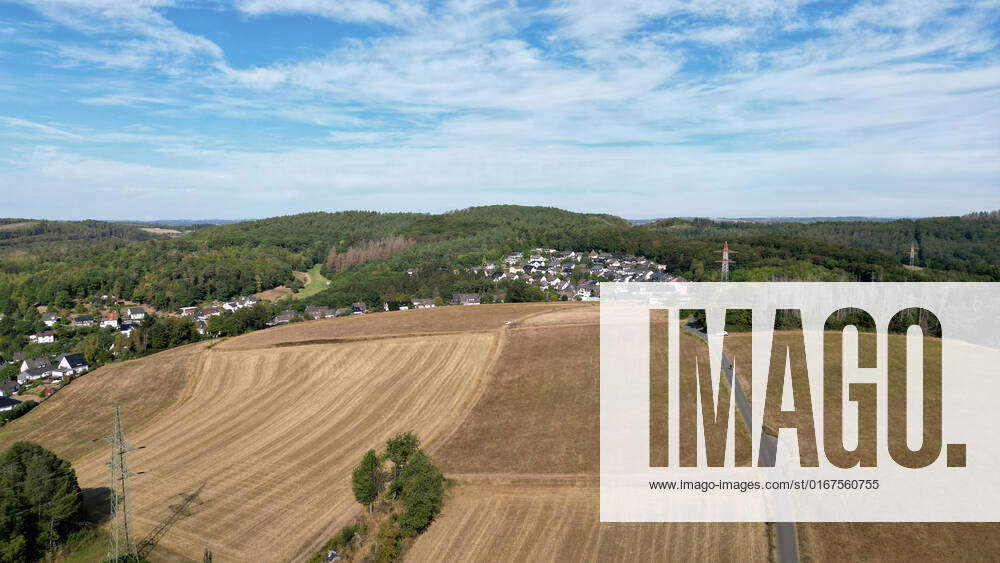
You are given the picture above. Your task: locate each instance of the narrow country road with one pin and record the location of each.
(786, 540)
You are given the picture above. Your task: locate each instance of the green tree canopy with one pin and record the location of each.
(366, 480)
(39, 501)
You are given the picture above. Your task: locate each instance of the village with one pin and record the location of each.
(562, 275)
(559, 275)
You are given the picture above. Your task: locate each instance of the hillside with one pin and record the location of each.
(265, 427)
(25, 237)
(968, 244)
(233, 422)
(57, 263)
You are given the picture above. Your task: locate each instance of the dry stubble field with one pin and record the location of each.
(266, 427)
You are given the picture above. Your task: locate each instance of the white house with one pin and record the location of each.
(136, 313)
(44, 337)
(40, 362)
(109, 319)
(50, 318)
(74, 363)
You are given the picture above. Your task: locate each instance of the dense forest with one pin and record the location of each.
(967, 244)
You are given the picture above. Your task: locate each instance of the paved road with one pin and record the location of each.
(787, 541)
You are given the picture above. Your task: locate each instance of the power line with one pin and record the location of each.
(121, 542)
(725, 260)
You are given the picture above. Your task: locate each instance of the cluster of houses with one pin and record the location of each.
(124, 323)
(201, 314)
(43, 367)
(574, 275)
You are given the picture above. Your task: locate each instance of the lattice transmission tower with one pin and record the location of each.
(725, 260)
(120, 543)
(913, 254)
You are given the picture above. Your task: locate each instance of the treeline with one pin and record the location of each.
(367, 254)
(969, 244)
(741, 320)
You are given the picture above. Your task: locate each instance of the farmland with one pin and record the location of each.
(265, 427)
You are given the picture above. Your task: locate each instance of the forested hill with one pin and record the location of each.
(366, 255)
(969, 244)
(72, 261)
(45, 238)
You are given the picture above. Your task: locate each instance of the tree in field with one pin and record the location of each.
(39, 501)
(399, 449)
(366, 480)
(421, 488)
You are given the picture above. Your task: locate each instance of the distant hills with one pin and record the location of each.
(779, 219)
(56, 262)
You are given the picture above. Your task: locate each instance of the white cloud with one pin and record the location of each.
(130, 33)
(607, 107)
(390, 12)
(37, 129)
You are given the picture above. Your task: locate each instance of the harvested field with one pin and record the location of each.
(570, 313)
(275, 293)
(266, 427)
(161, 231)
(17, 226)
(70, 421)
(420, 321)
(267, 438)
(550, 522)
(525, 464)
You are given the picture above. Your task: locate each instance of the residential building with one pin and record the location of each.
(109, 319)
(44, 337)
(74, 363)
(7, 404)
(466, 299)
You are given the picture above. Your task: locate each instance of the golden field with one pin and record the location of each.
(266, 427)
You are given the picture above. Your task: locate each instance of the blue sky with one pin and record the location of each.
(150, 109)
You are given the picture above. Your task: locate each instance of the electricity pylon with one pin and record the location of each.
(913, 254)
(725, 260)
(121, 543)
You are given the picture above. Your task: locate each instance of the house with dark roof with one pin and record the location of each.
(6, 404)
(33, 374)
(83, 320)
(8, 388)
(50, 318)
(136, 313)
(283, 317)
(34, 363)
(359, 308)
(75, 363)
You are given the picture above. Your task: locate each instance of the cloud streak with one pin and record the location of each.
(762, 104)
